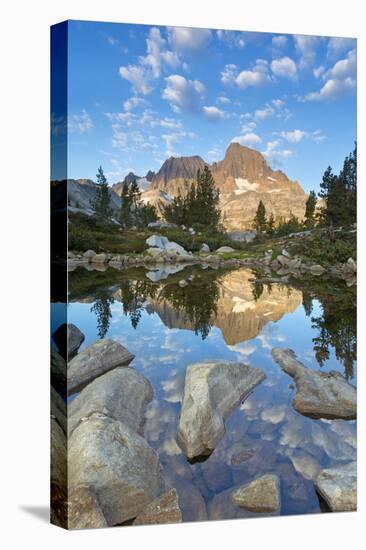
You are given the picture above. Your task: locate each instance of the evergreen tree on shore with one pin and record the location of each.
(101, 201)
(310, 210)
(260, 221)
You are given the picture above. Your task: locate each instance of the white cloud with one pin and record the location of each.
(80, 123)
(214, 154)
(223, 99)
(213, 113)
(138, 78)
(171, 140)
(278, 103)
(318, 71)
(251, 139)
(306, 48)
(231, 38)
(253, 77)
(229, 74)
(279, 41)
(344, 67)
(133, 102)
(183, 94)
(338, 45)
(171, 123)
(119, 138)
(266, 112)
(274, 154)
(284, 67)
(248, 127)
(332, 89)
(294, 136)
(126, 119)
(188, 39)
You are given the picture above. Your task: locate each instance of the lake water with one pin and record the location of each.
(223, 315)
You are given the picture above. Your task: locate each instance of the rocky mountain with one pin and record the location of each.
(150, 175)
(143, 182)
(243, 178)
(82, 191)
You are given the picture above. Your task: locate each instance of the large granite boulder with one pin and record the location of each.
(58, 409)
(260, 495)
(68, 339)
(84, 511)
(211, 393)
(164, 509)
(58, 371)
(117, 462)
(157, 241)
(122, 394)
(338, 487)
(319, 394)
(99, 358)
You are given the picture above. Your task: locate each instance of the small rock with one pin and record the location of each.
(84, 511)
(68, 339)
(99, 258)
(205, 248)
(183, 283)
(99, 358)
(338, 487)
(284, 252)
(282, 260)
(261, 495)
(224, 250)
(89, 254)
(164, 509)
(317, 269)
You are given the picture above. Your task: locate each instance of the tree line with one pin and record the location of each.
(339, 194)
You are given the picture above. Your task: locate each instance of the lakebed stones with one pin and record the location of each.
(117, 462)
(68, 339)
(84, 511)
(164, 509)
(319, 394)
(122, 394)
(99, 358)
(261, 495)
(211, 392)
(338, 487)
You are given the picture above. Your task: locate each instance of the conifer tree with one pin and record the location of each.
(125, 212)
(270, 229)
(101, 201)
(310, 210)
(260, 221)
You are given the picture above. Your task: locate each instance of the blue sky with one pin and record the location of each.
(139, 94)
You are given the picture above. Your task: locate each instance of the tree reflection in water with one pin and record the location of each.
(102, 310)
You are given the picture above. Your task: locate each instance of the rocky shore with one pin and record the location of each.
(160, 251)
(105, 473)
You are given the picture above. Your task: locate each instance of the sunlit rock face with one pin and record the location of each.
(239, 315)
(243, 178)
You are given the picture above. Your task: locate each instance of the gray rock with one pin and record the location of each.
(317, 269)
(99, 358)
(211, 393)
(285, 253)
(205, 248)
(338, 487)
(89, 254)
(58, 409)
(283, 260)
(117, 462)
(157, 241)
(122, 394)
(319, 394)
(260, 495)
(58, 455)
(183, 283)
(155, 252)
(351, 264)
(68, 339)
(164, 509)
(295, 263)
(224, 250)
(175, 248)
(99, 258)
(84, 511)
(58, 371)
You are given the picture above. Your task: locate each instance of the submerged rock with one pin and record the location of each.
(99, 358)
(338, 487)
(319, 394)
(68, 339)
(122, 394)
(84, 511)
(117, 462)
(211, 392)
(164, 509)
(260, 495)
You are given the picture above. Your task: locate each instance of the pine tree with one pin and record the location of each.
(270, 225)
(134, 194)
(101, 201)
(260, 221)
(125, 212)
(310, 210)
(207, 200)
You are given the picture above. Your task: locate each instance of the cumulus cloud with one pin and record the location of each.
(284, 67)
(251, 139)
(150, 66)
(231, 38)
(294, 136)
(306, 47)
(279, 41)
(80, 123)
(337, 45)
(223, 99)
(183, 94)
(248, 127)
(188, 39)
(254, 77)
(274, 154)
(213, 113)
(229, 74)
(172, 139)
(214, 154)
(133, 102)
(318, 71)
(266, 112)
(344, 67)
